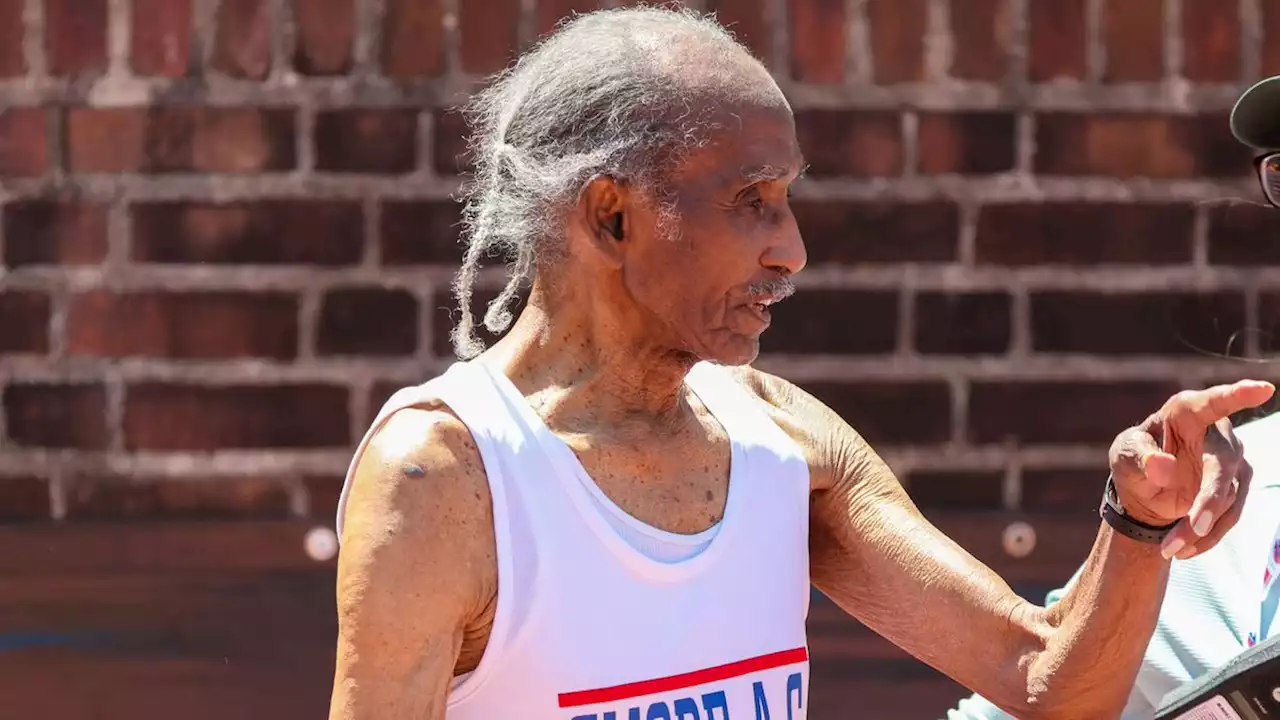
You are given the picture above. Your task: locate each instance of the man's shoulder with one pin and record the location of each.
(420, 463)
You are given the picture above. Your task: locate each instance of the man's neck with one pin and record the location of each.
(587, 364)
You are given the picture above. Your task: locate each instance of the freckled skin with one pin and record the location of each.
(600, 353)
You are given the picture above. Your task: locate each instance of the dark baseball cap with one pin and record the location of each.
(1255, 120)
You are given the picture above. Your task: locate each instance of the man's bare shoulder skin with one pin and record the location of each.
(831, 447)
(417, 575)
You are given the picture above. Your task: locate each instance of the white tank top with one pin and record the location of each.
(590, 627)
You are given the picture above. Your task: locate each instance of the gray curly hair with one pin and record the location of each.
(610, 93)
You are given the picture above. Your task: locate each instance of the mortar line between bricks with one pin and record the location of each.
(33, 53)
(1095, 48)
(375, 92)
(906, 315)
(959, 410)
(205, 21)
(863, 57)
(1251, 40)
(909, 127)
(1200, 237)
(299, 496)
(317, 186)
(281, 33)
(113, 387)
(1020, 322)
(304, 120)
(119, 35)
(1047, 367)
(452, 38)
(425, 162)
(1253, 323)
(358, 406)
(199, 466)
(967, 240)
(59, 309)
(1110, 280)
(308, 322)
(366, 51)
(56, 483)
(371, 260)
(939, 42)
(777, 20)
(426, 323)
(1174, 57)
(1011, 483)
(1019, 64)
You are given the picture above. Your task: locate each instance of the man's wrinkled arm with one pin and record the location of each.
(875, 555)
(416, 566)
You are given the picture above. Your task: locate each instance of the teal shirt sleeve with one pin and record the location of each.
(976, 707)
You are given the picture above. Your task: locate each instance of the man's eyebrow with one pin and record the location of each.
(763, 173)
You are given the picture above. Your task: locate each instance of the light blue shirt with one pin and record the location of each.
(1213, 601)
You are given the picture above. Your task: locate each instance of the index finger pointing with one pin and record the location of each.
(1208, 406)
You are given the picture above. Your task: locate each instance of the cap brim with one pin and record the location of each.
(1255, 119)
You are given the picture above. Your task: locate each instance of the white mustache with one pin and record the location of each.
(771, 291)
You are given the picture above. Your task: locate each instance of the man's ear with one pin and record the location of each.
(605, 203)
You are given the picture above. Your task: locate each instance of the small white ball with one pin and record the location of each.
(1019, 539)
(321, 544)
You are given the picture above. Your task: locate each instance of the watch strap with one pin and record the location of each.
(1113, 513)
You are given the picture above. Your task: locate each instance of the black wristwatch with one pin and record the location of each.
(1114, 514)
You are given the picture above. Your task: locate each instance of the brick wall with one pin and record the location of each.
(226, 236)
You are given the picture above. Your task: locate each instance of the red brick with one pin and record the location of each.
(1060, 412)
(817, 40)
(322, 494)
(855, 233)
(187, 499)
(23, 498)
(1270, 38)
(1243, 235)
(963, 323)
(846, 142)
(983, 31)
(273, 232)
(181, 139)
(1138, 145)
(1057, 40)
(24, 317)
(891, 413)
(1073, 233)
(413, 39)
(449, 143)
(1136, 324)
(972, 490)
(12, 64)
(48, 232)
(367, 321)
(56, 416)
(242, 41)
(816, 322)
(1211, 40)
(186, 417)
(549, 13)
(489, 35)
(24, 149)
(183, 325)
(1076, 491)
(75, 35)
(326, 36)
(368, 141)
(897, 39)
(974, 143)
(420, 233)
(1133, 37)
(748, 21)
(161, 38)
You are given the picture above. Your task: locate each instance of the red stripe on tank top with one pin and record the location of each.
(686, 680)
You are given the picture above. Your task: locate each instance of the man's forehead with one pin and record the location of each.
(769, 172)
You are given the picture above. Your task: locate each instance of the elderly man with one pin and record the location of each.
(609, 516)
(1220, 604)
